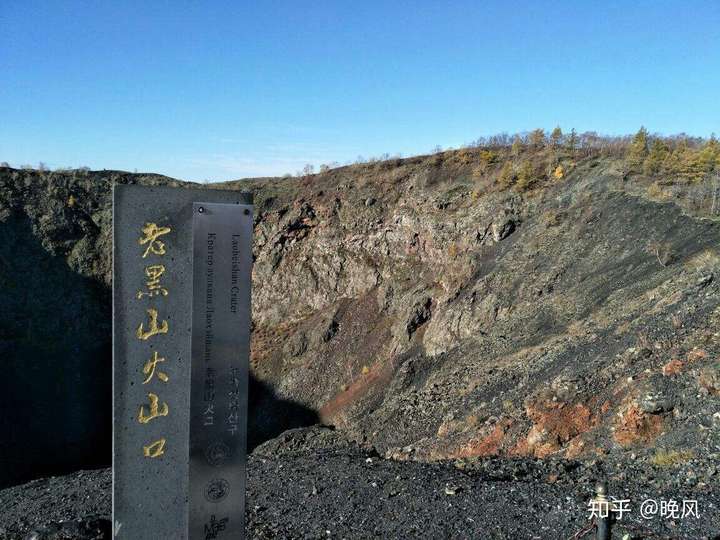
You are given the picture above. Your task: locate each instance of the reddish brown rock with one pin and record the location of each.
(673, 367)
(635, 427)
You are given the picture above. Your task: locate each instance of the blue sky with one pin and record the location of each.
(216, 90)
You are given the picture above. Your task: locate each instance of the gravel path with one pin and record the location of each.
(341, 493)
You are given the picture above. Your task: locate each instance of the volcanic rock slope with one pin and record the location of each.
(431, 315)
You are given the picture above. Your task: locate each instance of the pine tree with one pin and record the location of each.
(525, 176)
(507, 176)
(572, 141)
(709, 156)
(672, 164)
(638, 150)
(516, 146)
(556, 137)
(653, 163)
(537, 138)
(714, 145)
(690, 166)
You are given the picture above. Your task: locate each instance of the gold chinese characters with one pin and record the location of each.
(151, 366)
(151, 234)
(155, 449)
(152, 284)
(155, 410)
(151, 328)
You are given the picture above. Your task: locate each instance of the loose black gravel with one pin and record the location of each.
(347, 494)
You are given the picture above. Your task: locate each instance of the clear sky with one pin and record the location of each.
(217, 90)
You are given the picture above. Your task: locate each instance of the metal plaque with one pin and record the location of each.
(222, 262)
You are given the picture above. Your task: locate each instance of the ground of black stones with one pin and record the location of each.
(345, 493)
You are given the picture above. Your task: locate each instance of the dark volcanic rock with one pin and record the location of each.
(55, 327)
(305, 440)
(75, 506)
(55, 351)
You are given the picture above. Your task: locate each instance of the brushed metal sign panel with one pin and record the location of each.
(222, 263)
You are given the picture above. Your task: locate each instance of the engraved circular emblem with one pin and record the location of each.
(217, 453)
(217, 489)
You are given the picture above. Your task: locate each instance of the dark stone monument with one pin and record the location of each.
(181, 331)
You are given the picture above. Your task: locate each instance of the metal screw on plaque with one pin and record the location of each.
(201, 210)
(603, 520)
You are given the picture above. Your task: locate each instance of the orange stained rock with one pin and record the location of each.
(696, 354)
(673, 367)
(636, 427)
(485, 445)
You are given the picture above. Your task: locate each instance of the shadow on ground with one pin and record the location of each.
(269, 415)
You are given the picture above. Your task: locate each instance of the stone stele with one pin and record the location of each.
(181, 327)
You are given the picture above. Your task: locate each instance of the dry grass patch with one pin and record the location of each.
(670, 458)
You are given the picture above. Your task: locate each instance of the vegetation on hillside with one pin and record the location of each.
(527, 160)
(669, 167)
(677, 167)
